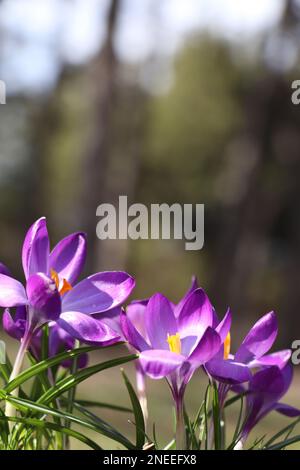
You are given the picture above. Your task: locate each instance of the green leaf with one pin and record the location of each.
(4, 429)
(100, 404)
(216, 417)
(138, 414)
(5, 370)
(72, 391)
(73, 379)
(206, 405)
(191, 436)
(258, 442)
(41, 384)
(43, 365)
(46, 425)
(45, 342)
(232, 400)
(101, 427)
(198, 417)
(155, 441)
(285, 430)
(238, 427)
(285, 443)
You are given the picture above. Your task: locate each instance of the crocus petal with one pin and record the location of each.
(266, 388)
(188, 344)
(287, 410)
(44, 298)
(279, 359)
(131, 334)
(238, 388)
(196, 314)
(68, 257)
(136, 313)
(193, 286)
(87, 329)
(12, 293)
(35, 253)
(159, 321)
(207, 347)
(111, 318)
(21, 313)
(272, 382)
(159, 363)
(223, 327)
(229, 372)
(259, 339)
(99, 292)
(4, 270)
(14, 328)
(60, 340)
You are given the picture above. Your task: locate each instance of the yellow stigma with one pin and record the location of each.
(65, 287)
(227, 346)
(174, 343)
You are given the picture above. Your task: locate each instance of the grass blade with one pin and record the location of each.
(101, 427)
(100, 404)
(138, 414)
(46, 425)
(72, 380)
(43, 365)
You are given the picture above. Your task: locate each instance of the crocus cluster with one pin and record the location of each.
(176, 340)
(173, 340)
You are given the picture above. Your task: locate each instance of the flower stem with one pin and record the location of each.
(71, 395)
(180, 426)
(10, 410)
(241, 443)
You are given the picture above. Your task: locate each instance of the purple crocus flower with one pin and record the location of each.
(264, 392)
(174, 342)
(135, 312)
(136, 309)
(229, 369)
(52, 294)
(170, 343)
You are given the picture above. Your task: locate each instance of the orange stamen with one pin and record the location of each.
(65, 287)
(227, 343)
(55, 277)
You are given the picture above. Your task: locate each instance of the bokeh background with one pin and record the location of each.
(163, 101)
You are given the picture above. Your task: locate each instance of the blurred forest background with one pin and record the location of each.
(164, 101)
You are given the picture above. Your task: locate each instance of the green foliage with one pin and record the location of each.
(39, 421)
(138, 414)
(45, 419)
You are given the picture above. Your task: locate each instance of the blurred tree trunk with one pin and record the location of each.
(248, 224)
(95, 162)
